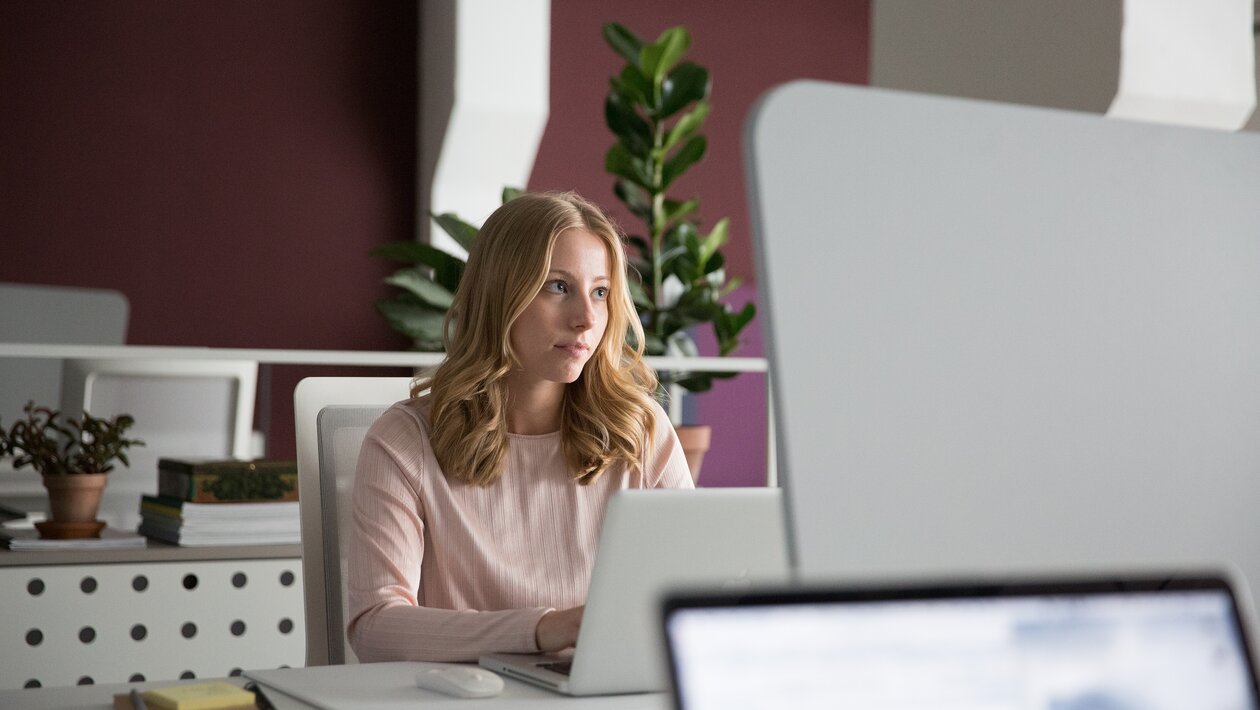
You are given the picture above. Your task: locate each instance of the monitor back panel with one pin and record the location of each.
(1008, 339)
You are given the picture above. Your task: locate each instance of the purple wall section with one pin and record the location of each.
(226, 165)
(229, 165)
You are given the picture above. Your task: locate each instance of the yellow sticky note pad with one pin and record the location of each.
(199, 696)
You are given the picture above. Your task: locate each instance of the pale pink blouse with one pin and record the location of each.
(443, 571)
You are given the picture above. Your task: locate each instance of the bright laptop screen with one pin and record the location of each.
(1115, 651)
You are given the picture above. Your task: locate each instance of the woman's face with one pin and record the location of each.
(564, 324)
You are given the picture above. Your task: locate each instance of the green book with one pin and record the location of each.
(222, 480)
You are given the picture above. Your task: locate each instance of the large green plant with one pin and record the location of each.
(57, 445)
(655, 107)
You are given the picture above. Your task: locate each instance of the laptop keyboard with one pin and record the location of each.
(561, 667)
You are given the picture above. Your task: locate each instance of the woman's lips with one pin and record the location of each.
(575, 349)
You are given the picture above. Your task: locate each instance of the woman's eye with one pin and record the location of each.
(556, 287)
(601, 293)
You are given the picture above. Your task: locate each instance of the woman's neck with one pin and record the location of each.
(534, 409)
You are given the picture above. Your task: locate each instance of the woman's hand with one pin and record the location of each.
(558, 630)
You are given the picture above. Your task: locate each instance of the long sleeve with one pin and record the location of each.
(444, 571)
(385, 575)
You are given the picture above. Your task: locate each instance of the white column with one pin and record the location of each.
(484, 87)
(1187, 63)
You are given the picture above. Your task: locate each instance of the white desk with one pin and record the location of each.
(155, 612)
(373, 686)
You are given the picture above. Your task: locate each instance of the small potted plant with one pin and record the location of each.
(73, 456)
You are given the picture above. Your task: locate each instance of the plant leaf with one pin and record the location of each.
(715, 240)
(692, 151)
(422, 286)
(727, 326)
(687, 125)
(623, 42)
(620, 162)
(422, 324)
(633, 131)
(656, 59)
(686, 83)
(632, 195)
(415, 253)
(677, 210)
(511, 193)
(462, 232)
(632, 86)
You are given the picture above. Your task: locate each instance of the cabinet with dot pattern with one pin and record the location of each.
(158, 614)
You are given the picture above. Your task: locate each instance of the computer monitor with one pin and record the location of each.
(1007, 339)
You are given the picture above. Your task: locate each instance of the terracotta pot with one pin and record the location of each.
(695, 442)
(75, 498)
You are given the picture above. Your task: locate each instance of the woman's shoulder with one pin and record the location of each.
(403, 418)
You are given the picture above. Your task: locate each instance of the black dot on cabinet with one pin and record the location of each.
(87, 634)
(35, 587)
(188, 630)
(34, 637)
(33, 683)
(287, 578)
(286, 625)
(190, 581)
(138, 632)
(87, 585)
(239, 579)
(136, 678)
(187, 675)
(85, 680)
(238, 628)
(139, 583)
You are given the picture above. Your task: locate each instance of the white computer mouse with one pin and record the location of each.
(461, 681)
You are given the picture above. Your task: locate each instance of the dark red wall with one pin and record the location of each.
(227, 165)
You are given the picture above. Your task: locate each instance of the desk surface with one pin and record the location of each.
(154, 551)
(374, 685)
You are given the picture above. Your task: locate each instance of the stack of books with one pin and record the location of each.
(223, 502)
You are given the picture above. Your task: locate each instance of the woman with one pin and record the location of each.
(477, 505)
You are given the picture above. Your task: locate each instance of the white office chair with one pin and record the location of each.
(197, 408)
(332, 415)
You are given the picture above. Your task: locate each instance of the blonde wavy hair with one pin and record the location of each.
(606, 415)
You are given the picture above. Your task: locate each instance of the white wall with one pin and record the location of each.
(1059, 54)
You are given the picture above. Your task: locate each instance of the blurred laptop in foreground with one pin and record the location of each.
(1154, 644)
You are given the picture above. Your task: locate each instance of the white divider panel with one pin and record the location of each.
(112, 623)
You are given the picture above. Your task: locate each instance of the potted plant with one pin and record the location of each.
(655, 107)
(73, 456)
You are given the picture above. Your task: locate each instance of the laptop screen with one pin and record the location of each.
(946, 649)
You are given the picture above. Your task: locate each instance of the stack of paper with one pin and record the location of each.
(21, 538)
(206, 524)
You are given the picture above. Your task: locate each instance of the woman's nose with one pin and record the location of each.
(583, 312)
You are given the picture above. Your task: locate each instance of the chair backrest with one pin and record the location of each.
(51, 314)
(183, 408)
(332, 415)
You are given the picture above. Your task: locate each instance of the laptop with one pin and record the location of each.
(1063, 645)
(653, 541)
